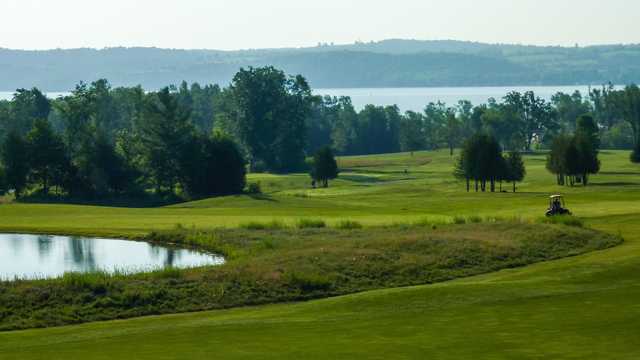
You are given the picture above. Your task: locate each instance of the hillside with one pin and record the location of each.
(390, 63)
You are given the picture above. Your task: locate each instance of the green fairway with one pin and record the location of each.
(373, 195)
(579, 307)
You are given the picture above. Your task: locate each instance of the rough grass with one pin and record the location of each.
(394, 160)
(311, 224)
(275, 264)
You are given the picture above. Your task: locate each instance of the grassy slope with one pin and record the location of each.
(277, 266)
(582, 307)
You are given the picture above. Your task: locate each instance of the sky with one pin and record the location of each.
(245, 24)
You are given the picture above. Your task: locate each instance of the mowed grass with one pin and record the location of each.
(580, 307)
(373, 195)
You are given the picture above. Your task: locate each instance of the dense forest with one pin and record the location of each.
(391, 63)
(194, 141)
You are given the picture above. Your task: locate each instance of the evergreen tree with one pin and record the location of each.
(324, 167)
(16, 162)
(165, 133)
(47, 156)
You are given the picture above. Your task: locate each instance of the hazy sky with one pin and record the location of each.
(236, 24)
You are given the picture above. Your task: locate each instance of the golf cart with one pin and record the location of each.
(557, 206)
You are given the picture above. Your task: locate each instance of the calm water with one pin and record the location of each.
(415, 99)
(37, 256)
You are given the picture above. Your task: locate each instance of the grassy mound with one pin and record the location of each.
(291, 264)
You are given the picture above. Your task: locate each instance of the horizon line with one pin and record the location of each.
(320, 45)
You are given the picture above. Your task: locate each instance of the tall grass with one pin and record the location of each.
(290, 265)
(348, 225)
(271, 225)
(562, 220)
(311, 224)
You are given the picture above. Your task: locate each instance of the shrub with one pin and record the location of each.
(459, 220)
(311, 224)
(475, 219)
(348, 225)
(309, 282)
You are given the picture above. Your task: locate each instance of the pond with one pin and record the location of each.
(43, 256)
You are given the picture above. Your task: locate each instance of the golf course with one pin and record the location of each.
(574, 302)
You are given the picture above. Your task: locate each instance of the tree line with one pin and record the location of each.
(196, 141)
(101, 142)
(520, 122)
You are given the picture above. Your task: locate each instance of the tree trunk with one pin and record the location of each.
(514, 186)
(468, 185)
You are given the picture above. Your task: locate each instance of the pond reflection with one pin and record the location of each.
(38, 256)
(167, 255)
(44, 245)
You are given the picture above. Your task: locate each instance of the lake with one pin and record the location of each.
(416, 99)
(42, 256)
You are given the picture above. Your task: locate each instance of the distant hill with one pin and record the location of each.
(389, 63)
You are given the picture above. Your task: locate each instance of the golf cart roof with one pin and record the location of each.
(555, 196)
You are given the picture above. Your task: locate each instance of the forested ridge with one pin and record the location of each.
(390, 63)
